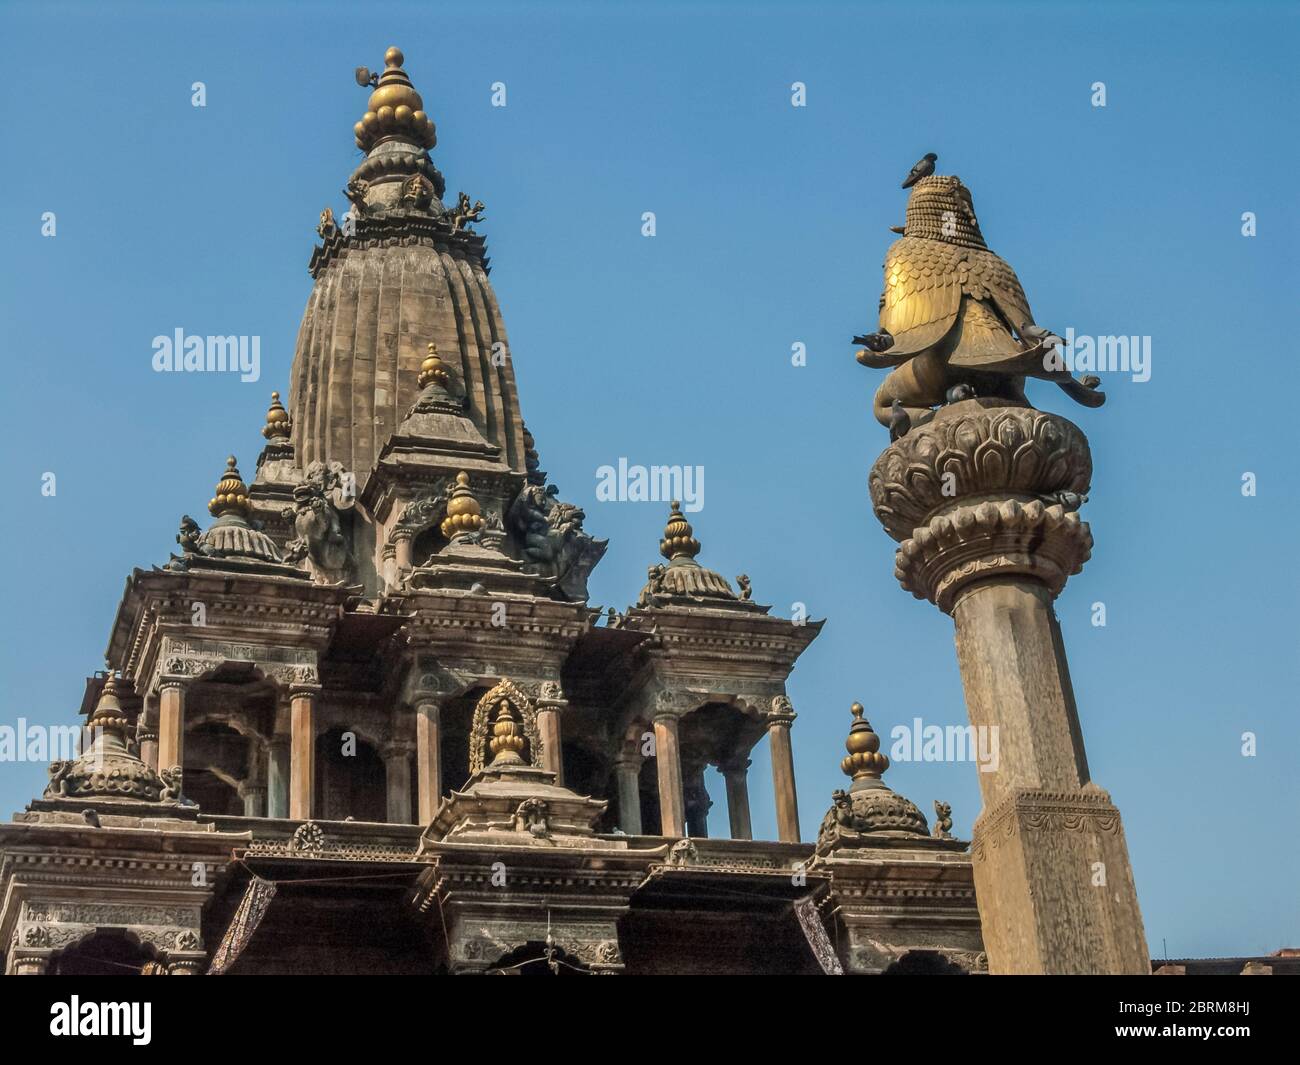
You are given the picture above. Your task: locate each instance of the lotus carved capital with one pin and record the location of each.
(979, 450)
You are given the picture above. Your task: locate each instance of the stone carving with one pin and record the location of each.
(782, 708)
(682, 853)
(188, 536)
(464, 213)
(654, 585)
(356, 194)
(942, 820)
(171, 789)
(858, 814)
(320, 501)
(531, 818)
(976, 448)
(417, 192)
(553, 539)
(309, 837)
(742, 582)
(326, 227)
(519, 707)
(1003, 539)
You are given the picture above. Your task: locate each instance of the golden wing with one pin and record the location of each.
(987, 275)
(922, 293)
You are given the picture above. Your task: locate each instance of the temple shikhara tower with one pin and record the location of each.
(366, 719)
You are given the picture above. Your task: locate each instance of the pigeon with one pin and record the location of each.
(876, 342)
(91, 818)
(899, 421)
(922, 169)
(959, 392)
(1036, 334)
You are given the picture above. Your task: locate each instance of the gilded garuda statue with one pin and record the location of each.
(954, 321)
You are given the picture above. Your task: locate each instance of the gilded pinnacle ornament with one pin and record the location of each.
(231, 493)
(678, 540)
(395, 110)
(864, 758)
(278, 426)
(432, 369)
(464, 516)
(508, 742)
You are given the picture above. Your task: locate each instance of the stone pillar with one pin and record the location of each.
(428, 760)
(627, 773)
(171, 723)
(402, 554)
(697, 802)
(397, 767)
(990, 537)
(253, 792)
(277, 777)
(148, 740)
(548, 724)
(736, 774)
(778, 741)
(302, 756)
(668, 762)
(29, 963)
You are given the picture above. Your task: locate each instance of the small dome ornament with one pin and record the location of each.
(395, 110)
(231, 493)
(278, 426)
(870, 811)
(464, 516)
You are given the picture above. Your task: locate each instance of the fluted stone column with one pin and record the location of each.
(277, 777)
(428, 760)
(397, 768)
(171, 723)
(302, 755)
(736, 775)
(668, 763)
(787, 801)
(983, 501)
(627, 773)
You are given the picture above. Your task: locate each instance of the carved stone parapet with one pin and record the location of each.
(1004, 539)
(975, 450)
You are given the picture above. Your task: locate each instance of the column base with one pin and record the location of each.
(1055, 888)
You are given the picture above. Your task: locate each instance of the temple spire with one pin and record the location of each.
(864, 760)
(278, 426)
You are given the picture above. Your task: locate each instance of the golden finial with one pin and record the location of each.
(678, 539)
(864, 757)
(231, 493)
(108, 710)
(507, 743)
(277, 425)
(463, 513)
(432, 369)
(395, 110)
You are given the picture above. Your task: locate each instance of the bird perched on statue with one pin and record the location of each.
(955, 314)
(924, 168)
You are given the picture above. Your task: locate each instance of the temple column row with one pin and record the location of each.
(675, 811)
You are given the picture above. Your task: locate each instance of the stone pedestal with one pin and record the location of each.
(983, 500)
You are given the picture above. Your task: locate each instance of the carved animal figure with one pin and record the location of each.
(956, 314)
(942, 820)
(326, 227)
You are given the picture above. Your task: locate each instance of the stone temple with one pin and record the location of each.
(368, 721)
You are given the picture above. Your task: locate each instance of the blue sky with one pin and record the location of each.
(772, 226)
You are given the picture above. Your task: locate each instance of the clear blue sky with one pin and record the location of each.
(772, 226)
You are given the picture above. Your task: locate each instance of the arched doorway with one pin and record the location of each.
(106, 953)
(350, 778)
